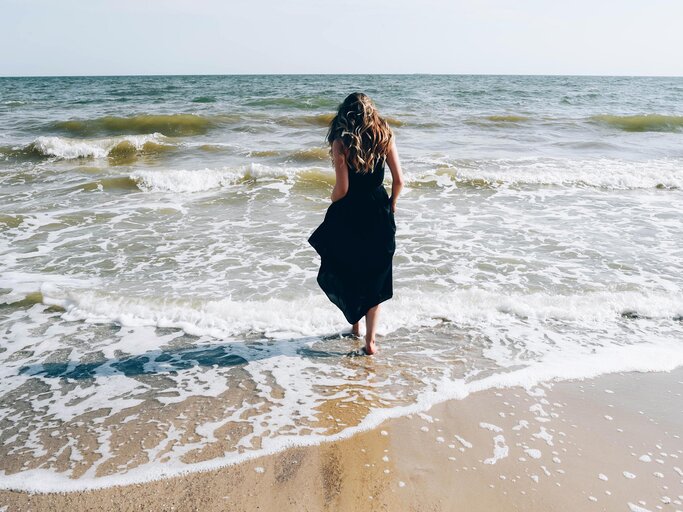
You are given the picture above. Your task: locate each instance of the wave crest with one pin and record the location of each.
(642, 123)
(166, 124)
(498, 120)
(324, 120)
(117, 148)
(312, 102)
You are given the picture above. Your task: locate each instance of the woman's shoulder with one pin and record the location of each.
(338, 145)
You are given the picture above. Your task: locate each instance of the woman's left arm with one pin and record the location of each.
(341, 171)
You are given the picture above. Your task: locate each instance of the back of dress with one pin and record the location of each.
(356, 245)
(368, 182)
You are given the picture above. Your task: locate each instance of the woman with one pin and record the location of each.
(356, 239)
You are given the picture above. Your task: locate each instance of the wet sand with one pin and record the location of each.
(610, 443)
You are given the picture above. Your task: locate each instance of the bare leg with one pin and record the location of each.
(355, 329)
(370, 327)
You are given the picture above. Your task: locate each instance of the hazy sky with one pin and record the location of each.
(110, 37)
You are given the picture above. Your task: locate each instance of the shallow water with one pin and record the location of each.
(158, 305)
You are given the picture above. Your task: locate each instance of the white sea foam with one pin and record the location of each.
(599, 172)
(66, 148)
(202, 180)
(500, 450)
(312, 315)
(462, 441)
(21, 284)
(184, 181)
(533, 453)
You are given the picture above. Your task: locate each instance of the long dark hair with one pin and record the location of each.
(366, 136)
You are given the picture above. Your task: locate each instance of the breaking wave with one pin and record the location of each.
(599, 173)
(602, 173)
(312, 315)
(642, 123)
(112, 147)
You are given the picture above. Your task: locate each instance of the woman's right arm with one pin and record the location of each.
(396, 175)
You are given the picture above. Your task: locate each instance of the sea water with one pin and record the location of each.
(159, 311)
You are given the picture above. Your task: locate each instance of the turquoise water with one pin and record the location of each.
(153, 242)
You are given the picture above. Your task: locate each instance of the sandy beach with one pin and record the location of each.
(610, 443)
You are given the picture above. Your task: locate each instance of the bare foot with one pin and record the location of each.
(370, 347)
(355, 329)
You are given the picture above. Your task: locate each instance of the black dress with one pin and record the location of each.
(356, 245)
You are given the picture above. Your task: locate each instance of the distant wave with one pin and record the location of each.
(166, 124)
(318, 154)
(314, 154)
(112, 147)
(501, 119)
(628, 123)
(204, 99)
(298, 103)
(265, 153)
(508, 118)
(323, 120)
(642, 123)
(180, 125)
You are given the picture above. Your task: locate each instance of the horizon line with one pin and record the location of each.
(158, 75)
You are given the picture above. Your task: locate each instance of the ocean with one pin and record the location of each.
(159, 311)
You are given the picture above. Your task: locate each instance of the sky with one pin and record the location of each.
(132, 37)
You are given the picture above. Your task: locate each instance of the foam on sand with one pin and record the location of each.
(633, 358)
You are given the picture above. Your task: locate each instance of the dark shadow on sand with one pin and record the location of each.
(175, 360)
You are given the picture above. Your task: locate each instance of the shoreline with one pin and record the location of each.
(613, 442)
